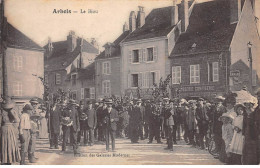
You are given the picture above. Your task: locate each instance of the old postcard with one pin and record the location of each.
(129, 82)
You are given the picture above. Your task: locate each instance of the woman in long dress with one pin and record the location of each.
(9, 149)
(43, 127)
(237, 142)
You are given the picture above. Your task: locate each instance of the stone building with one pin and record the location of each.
(69, 65)
(220, 41)
(145, 51)
(22, 65)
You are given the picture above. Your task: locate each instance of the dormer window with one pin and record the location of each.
(108, 49)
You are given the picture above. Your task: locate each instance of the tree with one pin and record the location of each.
(161, 90)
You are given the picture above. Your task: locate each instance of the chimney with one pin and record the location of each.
(235, 10)
(94, 43)
(49, 48)
(125, 27)
(140, 17)
(132, 21)
(71, 41)
(184, 15)
(174, 13)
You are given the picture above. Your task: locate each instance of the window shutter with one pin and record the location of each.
(129, 80)
(157, 77)
(92, 93)
(155, 56)
(140, 76)
(130, 56)
(150, 79)
(173, 75)
(144, 55)
(82, 93)
(109, 67)
(140, 55)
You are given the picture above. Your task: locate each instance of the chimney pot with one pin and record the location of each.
(140, 17)
(132, 21)
(174, 13)
(184, 15)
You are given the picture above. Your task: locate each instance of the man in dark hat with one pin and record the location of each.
(167, 113)
(82, 122)
(70, 125)
(135, 121)
(154, 123)
(24, 131)
(203, 121)
(34, 129)
(91, 123)
(100, 118)
(55, 117)
(110, 122)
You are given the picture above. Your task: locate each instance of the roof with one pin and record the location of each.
(60, 58)
(18, 39)
(209, 29)
(116, 52)
(157, 24)
(62, 61)
(88, 72)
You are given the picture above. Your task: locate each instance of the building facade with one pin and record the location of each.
(207, 56)
(69, 66)
(145, 52)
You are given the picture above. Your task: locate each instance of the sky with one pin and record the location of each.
(36, 19)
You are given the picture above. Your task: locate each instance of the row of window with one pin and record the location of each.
(213, 73)
(144, 79)
(143, 55)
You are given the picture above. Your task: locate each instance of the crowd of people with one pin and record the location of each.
(235, 127)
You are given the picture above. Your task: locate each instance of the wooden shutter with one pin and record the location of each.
(130, 56)
(144, 55)
(129, 80)
(155, 54)
(140, 55)
(82, 93)
(140, 76)
(157, 77)
(150, 79)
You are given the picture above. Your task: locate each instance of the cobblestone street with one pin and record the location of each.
(126, 153)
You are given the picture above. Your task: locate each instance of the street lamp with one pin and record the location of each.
(250, 59)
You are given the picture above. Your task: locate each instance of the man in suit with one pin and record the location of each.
(70, 125)
(82, 122)
(91, 123)
(135, 121)
(110, 120)
(203, 121)
(55, 115)
(100, 118)
(168, 112)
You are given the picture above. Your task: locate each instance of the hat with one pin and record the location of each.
(226, 115)
(166, 99)
(109, 101)
(90, 102)
(192, 101)
(183, 101)
(27, 107)
(34, 100)
(220, 98)
(200, 99)
(138, 101)
(71, 101)
(8, 103)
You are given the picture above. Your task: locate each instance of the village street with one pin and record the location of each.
(126, 153)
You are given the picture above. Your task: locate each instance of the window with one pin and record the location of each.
(106, 68)
(74, 79)
(195, 73)
(17, 89)
(82, 93)
(176, 75)
(106, 87)
(18, 63)
(146, 78)
(92, 93)
(213, 74)
(86, 93)
(150, 54)
(134, 80)
(57, 79)
(155, 78)
(74, 95)
(136, 56)
(46, 79)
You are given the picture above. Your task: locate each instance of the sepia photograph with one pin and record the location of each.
(129, 82)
